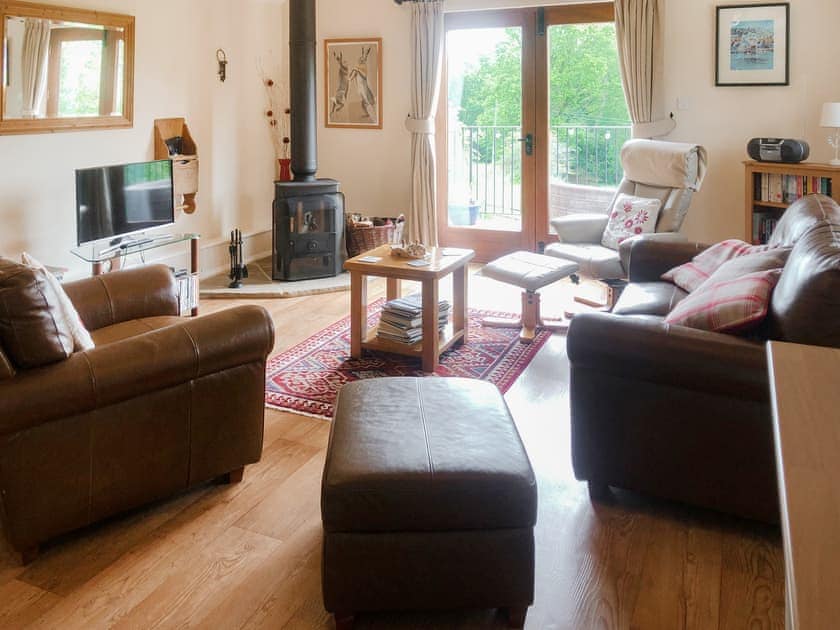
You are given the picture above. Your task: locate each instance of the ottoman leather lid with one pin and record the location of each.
(425, 454)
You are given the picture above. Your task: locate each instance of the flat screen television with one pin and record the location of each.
(113, 201)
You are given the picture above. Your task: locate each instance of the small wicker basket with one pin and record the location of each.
(363, 237)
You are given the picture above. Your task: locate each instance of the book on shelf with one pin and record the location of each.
(778, 188)
(401, 319)
(763, 225)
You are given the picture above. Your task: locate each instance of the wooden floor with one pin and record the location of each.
(248, 556)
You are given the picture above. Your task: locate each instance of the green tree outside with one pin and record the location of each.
(585, 90)
(81, 68)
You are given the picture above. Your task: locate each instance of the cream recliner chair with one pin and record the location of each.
(669, 171)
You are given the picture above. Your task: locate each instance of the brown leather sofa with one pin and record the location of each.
(685, 414)
(161, 404)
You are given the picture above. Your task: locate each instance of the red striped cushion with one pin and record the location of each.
(692, 274)
(727, 305)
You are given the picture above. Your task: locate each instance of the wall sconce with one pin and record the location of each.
(221, 57)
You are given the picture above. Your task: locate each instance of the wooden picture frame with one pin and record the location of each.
(752, 44)
(353, 83)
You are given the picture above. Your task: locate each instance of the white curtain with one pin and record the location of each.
(638, 26)
(34, 62)
(427, 61)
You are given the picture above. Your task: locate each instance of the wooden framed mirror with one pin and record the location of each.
(64, 69)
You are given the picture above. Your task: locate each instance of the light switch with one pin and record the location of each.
(683, 103)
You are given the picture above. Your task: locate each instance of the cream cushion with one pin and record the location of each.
(68, 314)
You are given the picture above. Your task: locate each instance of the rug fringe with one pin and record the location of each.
(298, 413)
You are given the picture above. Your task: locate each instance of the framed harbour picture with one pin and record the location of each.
(753, 44)
(354, 83)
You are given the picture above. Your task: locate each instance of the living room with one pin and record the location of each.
(250, 554)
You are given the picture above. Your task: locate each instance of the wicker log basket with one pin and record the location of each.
(364, 234)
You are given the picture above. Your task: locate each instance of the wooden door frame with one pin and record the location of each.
(489, 244)
(535, 117)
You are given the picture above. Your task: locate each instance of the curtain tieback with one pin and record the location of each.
(420, 125)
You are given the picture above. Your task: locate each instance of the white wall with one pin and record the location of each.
(373, 166)
(175, 76)
(725, 118)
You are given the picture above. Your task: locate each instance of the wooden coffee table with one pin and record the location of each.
(395, 270)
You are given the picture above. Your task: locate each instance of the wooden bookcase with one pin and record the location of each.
(758, 209)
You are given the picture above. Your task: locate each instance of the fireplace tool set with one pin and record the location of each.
(238, 268)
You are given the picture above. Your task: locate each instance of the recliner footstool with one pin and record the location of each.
(428, 501)
(531, 272)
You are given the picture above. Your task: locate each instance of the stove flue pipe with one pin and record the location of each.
(302, 89)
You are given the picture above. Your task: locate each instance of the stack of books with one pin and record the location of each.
(402, 319)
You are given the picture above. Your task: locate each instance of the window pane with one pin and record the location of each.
(79, 81)
(484, 110)
(588, 117)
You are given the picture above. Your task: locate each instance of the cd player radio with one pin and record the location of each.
(778, 150)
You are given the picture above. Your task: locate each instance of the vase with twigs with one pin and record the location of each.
(277, 115)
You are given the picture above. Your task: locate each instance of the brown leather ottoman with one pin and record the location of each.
(428, 500)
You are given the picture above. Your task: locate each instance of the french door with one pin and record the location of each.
(505, 165)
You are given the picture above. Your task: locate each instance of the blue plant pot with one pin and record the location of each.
(462, 214)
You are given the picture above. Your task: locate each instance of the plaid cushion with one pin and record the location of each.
(731, 305)
(692, 274)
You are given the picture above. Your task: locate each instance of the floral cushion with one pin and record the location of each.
(692, 274)
(728, 305)
(630, 216)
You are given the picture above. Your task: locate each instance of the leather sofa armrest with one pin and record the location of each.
(136, 366)
(580, 228)
(111, 298)
(647, 349)
(646, 259)
(626, 245)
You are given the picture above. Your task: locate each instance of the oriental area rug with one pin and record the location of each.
(305, 379)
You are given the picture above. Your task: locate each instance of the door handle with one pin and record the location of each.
(529, 143)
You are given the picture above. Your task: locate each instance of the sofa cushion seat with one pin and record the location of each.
(648, 298)
(595, 260)
(132, 328)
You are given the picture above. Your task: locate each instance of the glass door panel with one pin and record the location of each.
(484, 110)
(588, 121)
(486, 196)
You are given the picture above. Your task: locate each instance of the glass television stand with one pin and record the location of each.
(110, 255)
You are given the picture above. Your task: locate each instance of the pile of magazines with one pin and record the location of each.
(402, 319)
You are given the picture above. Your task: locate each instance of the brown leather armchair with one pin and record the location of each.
(160, 405)
(685, 414)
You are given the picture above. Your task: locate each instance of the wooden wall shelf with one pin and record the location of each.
(184, 164)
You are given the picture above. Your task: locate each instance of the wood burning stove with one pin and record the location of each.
(308, 215)
(308, 230)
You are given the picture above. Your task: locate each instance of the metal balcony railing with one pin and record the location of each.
(485, 162)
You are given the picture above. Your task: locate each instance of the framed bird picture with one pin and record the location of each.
(353, 83)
